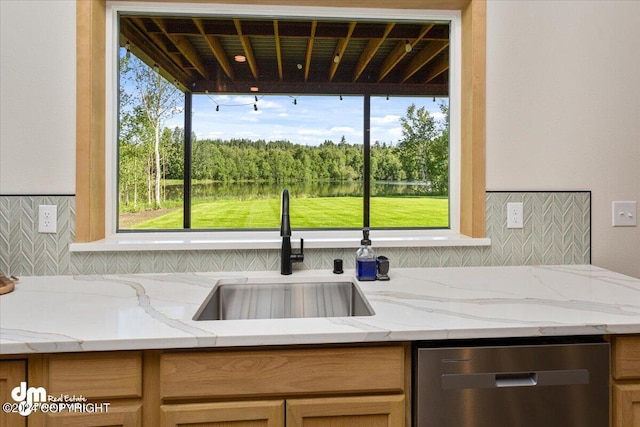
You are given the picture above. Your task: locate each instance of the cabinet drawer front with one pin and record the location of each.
(626, 357)
(96, 375)
(282, 372)
(237, 414)
(358, 411)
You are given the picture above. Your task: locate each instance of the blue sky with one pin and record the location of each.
(311, 121)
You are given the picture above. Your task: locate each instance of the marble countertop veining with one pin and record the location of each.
(151, 311)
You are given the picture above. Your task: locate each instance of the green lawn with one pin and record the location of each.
(327, 212)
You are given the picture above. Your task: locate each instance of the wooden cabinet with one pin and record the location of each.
(359, 411)
(626, 381)
(109, 384)
(12, 372)
(332, 387)
(348, 385)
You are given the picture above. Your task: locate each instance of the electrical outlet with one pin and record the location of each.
(624, 214)
(47, 218)
(515, 215)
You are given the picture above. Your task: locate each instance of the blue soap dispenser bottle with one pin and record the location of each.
(366, 266)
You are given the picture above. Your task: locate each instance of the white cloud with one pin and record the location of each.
(437, 115)
(212, 135)
(311, 132)
(395, 133)
(343, 129)
(389, 118)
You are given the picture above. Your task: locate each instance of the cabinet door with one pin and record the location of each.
(123, 416)
(12, 372)
(225, 414)
(626, 401)
(365, 411)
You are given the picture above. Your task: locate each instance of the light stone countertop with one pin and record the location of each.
(154, 311)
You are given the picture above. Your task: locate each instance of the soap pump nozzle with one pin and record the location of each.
(365, 237)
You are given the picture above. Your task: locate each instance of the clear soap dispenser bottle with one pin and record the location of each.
(366, 267)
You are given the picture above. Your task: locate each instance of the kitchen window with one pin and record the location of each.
(455, 221)
(351, 159)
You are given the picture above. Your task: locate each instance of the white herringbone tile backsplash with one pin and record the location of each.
(557, 230)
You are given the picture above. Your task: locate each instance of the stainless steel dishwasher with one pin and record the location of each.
(512, 383)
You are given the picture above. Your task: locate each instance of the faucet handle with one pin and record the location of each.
(299, 257)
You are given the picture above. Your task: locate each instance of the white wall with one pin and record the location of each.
(563, 105)
(37, 97)
(563, 108)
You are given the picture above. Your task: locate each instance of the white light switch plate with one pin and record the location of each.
(47, 219)
(515, 215)
(624, 214)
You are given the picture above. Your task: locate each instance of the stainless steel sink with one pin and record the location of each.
(283, 300)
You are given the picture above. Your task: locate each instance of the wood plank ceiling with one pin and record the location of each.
(293, 56)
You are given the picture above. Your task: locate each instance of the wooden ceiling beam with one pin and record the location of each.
(217, 49)
(185, 47)
(422, 58)
(340, 48)
(369, 51)
(276, 35)
(288, 28)
(160, 40)
(323, 88)
(439, 66)
(248, 50)
(307, 57)
(400, 51)
(150, 53)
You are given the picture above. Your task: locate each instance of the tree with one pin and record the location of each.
(440, 155)
(158, 100)
(424, 148)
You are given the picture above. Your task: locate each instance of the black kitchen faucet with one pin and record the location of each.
(287, 258)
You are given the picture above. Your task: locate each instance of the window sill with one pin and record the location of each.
(271, 240)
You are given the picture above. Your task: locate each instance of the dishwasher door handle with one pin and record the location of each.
(515, 379)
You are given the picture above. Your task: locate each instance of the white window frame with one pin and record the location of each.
(251, 239)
